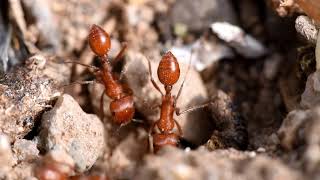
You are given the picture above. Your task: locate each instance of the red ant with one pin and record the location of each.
(168, 74)
(49, 169)
(122, 106)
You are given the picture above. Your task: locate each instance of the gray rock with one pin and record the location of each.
(230, 126)
(206, 52)
(173, 163)
(5, 156)
(291, 125)
(26, 92)
(243, 43)
(198, 15)
(311, 95)
(311, 134)
(299, 133)
(68, 128)
(25, 150)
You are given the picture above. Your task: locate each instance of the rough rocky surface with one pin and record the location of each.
(68, 128)
(299, 133)
(5, 156)
(173, 163)
(25, 93)
(307, 29)
(290, 131)
(195, 125)
(25, 150)
(310, 96)
(230, 126)
(122, 162)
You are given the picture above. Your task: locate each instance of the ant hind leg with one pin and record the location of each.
(79, 82)
(151, 138)
(102, 106)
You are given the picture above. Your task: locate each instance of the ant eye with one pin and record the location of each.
(99, 40)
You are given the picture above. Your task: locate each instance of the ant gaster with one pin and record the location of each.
(122, 105)
(168, 74)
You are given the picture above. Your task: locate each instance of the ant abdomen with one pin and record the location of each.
(168, 69)
(161, 140)
(122, 109)
(99, 40)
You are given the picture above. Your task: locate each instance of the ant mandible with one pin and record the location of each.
(122, 105)
(168, 74)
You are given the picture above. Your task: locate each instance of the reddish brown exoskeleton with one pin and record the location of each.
(49, 169)
(168, 74)
(311, 8)
(122, 105)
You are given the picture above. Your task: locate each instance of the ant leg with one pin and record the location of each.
(120, 54)
(122, 73)
(102, 106)
(151, 138)
(138, 121)
(179, 127)
(151, 78)
(86, 65)
(190, 109)
(184, 79)
(79, 82)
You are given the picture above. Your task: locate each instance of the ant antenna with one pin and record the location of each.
(123, 71)
(79, 82)
(185, 77)
(152, 80)
(178, 112)
(120, 54)
(102, 106)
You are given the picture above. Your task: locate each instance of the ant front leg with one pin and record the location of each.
(179, 127)
(102, 105)
(120, 54)
(150, 137)
(79, 82)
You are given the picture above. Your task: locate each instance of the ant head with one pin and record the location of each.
(99, 40)
(168, 70)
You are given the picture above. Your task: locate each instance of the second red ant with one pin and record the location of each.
(168, 74)
(122, 105)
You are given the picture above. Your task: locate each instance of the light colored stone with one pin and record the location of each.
(68, 128)
(25, 150)
(26, 92)
(243, 43)
(6, 159)
(198, 15)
